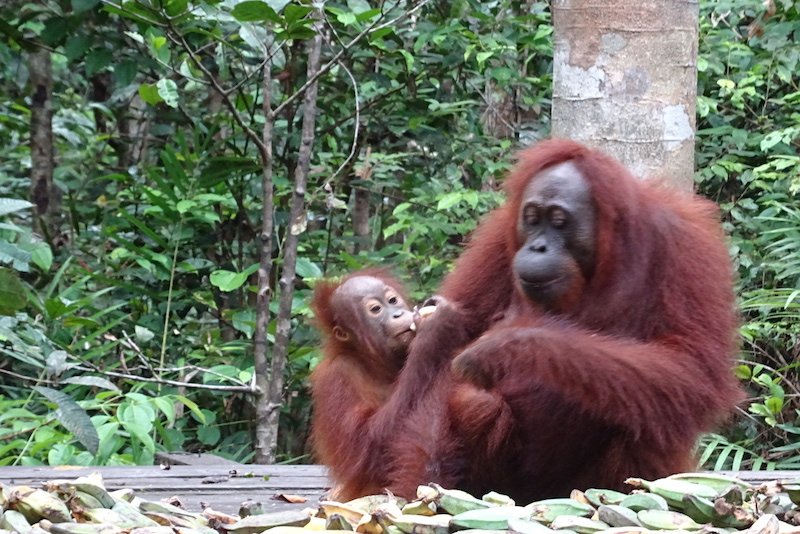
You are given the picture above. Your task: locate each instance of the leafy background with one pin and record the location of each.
(149, 283)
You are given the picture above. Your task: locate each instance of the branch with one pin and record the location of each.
(197, 369)
(128, 342)
(165, 381)
(404, 15)
(267, 59)
(26, 378)
(180, 40)
(334, 61)
(135, 378)
(297, 223)
(261, 383)
(135, 16)
(356, 126)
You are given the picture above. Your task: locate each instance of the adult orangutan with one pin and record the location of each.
(616, 348)
(367, 325)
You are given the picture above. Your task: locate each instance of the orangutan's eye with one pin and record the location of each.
(530, 215)
(558, 218)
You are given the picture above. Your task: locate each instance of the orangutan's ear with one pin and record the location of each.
(341, 334)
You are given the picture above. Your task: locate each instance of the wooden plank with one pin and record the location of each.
(759, 477)
(177, 471)
(177, 476)
(223, 487)
(192, 458)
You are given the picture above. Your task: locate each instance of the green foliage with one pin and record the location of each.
(152, 284)
(749, 133)
(18, 246)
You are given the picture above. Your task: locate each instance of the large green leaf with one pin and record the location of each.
(41, 255)
(227, 280)
(168, 90)
(12, 294)
(255, 11)
(138, 419)
(97, 60)
(73, 417)
(92, 381)
(307, 269)
(76, 46)
(230, 280)
(10, 205)
(125, 72)
(149, 93)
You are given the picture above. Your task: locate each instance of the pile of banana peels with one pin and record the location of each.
(698, 503)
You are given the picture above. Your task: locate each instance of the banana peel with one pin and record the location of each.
(455, 501)
(519, 525)
(598, 497)
(713, 480)
(255, 524)
(489, 518)
(617, 516)
(673, 490)
(36, 504)
(661, 520)
(645, 501)
(575, 523)
(547, 510)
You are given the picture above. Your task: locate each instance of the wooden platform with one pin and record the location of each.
(224, 486)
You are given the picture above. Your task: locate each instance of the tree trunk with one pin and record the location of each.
(43, 193)
(263, 408)
(297, 225)
(625, 81)
(361, 197)
(499, 117)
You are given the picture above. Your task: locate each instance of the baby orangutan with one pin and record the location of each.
(367, 327)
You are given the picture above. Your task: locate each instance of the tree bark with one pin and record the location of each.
(297, 225)
(361, 207)
(625, 81)
(43, 193)
(263, 407)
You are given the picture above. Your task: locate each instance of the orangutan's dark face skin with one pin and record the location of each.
(556, 226)
(379, 309)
